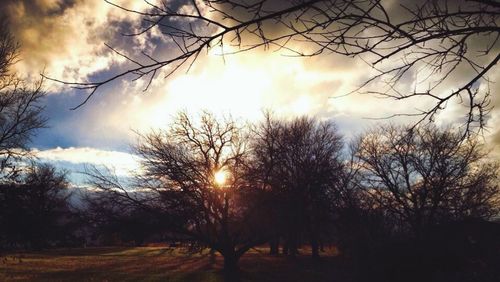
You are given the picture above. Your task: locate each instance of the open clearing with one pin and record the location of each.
(160, 264)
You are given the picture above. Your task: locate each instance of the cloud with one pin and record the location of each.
(243, 85)
(122, 163)
(65, 38)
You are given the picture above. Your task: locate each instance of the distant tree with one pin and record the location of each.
(358, 221)
(430, 42)
(35, 212)
(427, 176)
(299, 162)
(194, 178)
(20, 107)
(264, 167)
(113, 220)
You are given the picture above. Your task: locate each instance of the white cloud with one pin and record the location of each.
(122, 163)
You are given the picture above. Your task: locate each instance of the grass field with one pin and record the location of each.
(160, 264)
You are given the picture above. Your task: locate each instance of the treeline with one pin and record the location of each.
(35, 211)
(396, 200)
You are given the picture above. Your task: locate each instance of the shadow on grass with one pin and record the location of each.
(107, 264)
(163, 264)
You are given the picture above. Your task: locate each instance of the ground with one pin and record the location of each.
(160, 264)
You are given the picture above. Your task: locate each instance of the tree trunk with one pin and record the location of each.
(285, 249)
(274, 245)
(314, 247)
(231, 269)
(294, 251)
(293, 245)
(314, 242)
(212, 256)
(230, 263)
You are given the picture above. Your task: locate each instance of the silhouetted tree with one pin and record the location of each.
(113, 220)
(409, 198)
(194, 177)
(20, 118)
(426, 176)
(20, 107)
(435, 39)
(299, 162)
(35, 212)
(359, 223)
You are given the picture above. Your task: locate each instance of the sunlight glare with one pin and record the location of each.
(220, 177)
(302, 105)
(243, 86)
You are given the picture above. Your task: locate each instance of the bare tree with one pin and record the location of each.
(35, 212)
(111, 219)
(299, 163)
(194, 177)
(428, 176)
(20, 107)
(431, 42)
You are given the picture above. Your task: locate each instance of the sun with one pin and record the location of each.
(220, 177)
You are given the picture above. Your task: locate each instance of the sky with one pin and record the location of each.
(65, 39)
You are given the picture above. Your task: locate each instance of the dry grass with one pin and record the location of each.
(159, 264)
